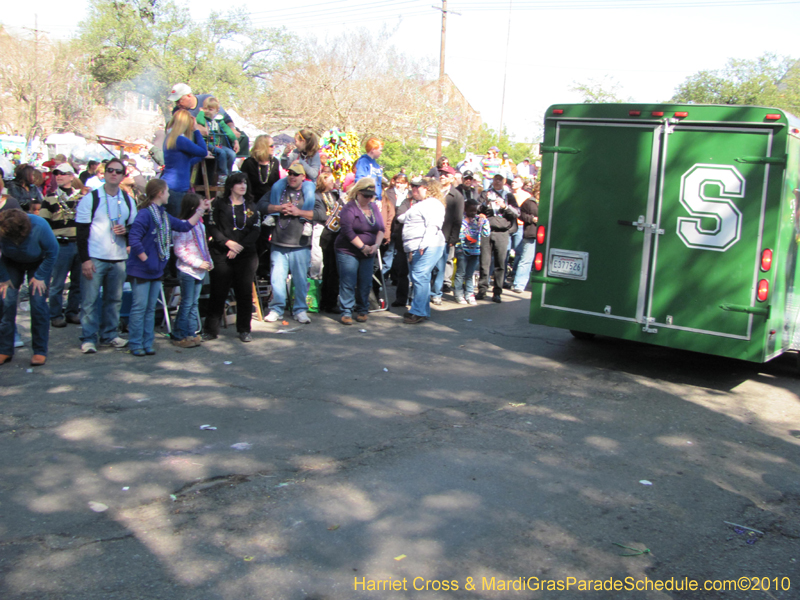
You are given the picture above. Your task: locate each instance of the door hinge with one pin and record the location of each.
(561, 149)
(649, 321)
(762, 160)
(642, 226)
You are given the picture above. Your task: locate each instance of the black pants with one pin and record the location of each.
(237, 273)
(494, 247)
(329, 294)
(400, 267)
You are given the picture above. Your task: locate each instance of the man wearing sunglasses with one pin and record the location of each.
(59, 210)
(103, 218)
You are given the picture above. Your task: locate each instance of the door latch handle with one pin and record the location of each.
(641, 225)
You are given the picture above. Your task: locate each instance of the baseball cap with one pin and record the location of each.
(65, 168)
(368, 191)
(468, 174)
(416, 181)
(179, 90)
(297, 169)
(447, 169)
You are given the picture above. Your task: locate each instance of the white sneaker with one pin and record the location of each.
(302, 317)
(272, 316)
(88, 348)
(117, 343)
(471, 300)
(461, 300)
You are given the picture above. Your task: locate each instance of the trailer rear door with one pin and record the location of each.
(711, 211)
(603, 172)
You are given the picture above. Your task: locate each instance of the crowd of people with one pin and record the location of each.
(428, 235)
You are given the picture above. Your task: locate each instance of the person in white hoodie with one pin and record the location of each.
(424, 242)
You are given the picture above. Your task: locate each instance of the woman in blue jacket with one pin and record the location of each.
(150, 238)
(28, 247)
(184, 147)
(367, 165)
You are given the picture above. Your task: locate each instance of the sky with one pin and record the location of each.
(535, 50)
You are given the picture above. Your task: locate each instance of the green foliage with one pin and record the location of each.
(768, 80)
(485, 138)
(148, 45)
(405, 153)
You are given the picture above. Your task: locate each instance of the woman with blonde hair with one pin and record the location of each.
(424, 242)
(360, 235)
(184, 147)
(262, 168)
(367, 165)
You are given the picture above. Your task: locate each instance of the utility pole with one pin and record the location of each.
(35, 124)
(441, 78)
(505, 74)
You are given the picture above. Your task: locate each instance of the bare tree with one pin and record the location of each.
(353, 82)
(45, 85)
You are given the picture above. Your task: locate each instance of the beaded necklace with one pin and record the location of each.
(369, 217)
(233, 212)
(118, 196)
(61, 198)
(163, 234)
(269, 172)
(202, 243)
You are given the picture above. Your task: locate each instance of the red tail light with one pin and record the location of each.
(538, 262)
(766, 259)
(772, 117)
(681, 115)
(657, 113)
(634, 113)
(763, 290)
(540, 234)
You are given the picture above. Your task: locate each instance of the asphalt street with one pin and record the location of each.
(473, 449)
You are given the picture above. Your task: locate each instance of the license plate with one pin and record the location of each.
(568, 264)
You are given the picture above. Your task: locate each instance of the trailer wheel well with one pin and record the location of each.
(581, 335)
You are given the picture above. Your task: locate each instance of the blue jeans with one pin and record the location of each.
(420, 275)
(466, 265)
(526, 252)
(438, 280)
(142, 322)
(111, 277)
(355, 280)
(174, 202)
(284, 261)
(40, 313)
(388, 255)
(515, 244)
(188, 320)
(67, 263)
(225, 159)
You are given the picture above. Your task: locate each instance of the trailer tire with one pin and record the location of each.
(581, 335)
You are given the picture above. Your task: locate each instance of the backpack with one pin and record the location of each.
(96, 201)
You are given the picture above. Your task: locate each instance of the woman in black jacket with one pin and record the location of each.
(234, 228)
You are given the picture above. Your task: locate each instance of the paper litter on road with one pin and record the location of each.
(292, 330)
(208, 428)
(228, 362)
(98, 507)
(401, 557)
(385, 369)
(362, 331)
(242, 446)
(645, 482)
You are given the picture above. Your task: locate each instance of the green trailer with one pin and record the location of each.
(673, 225)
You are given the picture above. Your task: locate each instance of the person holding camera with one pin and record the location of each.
(500, 209)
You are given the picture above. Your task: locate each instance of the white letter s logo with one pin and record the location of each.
(728, 218)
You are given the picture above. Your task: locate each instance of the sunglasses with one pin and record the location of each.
(294, 174)
(57, 173)
(415, 186)
(115, 171)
